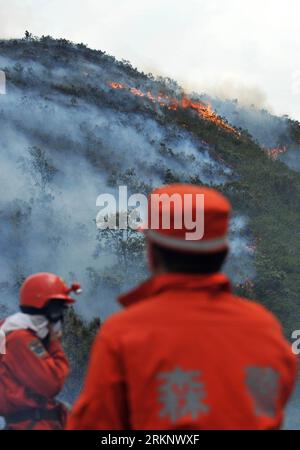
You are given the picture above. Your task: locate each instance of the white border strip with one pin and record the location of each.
(182, 244)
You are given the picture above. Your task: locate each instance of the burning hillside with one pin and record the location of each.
(84, 124)
(204, 110)
(275, 152)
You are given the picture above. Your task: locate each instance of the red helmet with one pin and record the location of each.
(39, 288)
(183, 203)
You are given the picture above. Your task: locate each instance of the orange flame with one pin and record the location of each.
(116, 85)
(273, 153)
(203, 110)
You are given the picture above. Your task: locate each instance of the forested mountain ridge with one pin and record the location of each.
(76, 122)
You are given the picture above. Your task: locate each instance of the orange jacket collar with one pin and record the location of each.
(177, 281)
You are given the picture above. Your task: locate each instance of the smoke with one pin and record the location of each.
(292, 158)
(239, 265)
(266, 129)
(231, 88)
(66, 141)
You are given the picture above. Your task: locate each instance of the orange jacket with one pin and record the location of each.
(187, 354)
(31, 375)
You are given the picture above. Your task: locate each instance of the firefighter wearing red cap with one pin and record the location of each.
(186, 353)
(34, 367)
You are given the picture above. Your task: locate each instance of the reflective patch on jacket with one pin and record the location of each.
(263, 385)
(181, 393)
(37, 348)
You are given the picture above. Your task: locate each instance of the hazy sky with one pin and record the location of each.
(234, 48)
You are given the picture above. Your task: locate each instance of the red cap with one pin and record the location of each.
(188, 218)
(39, 288)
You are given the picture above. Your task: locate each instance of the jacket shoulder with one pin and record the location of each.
(126, 318)
(25, 343)
(21, 337)
(238, 308)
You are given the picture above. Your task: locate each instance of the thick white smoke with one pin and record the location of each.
(60, 151)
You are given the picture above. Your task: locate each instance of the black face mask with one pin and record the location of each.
(55, 310)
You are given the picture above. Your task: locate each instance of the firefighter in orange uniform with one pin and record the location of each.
(34, 367)
(186, 353)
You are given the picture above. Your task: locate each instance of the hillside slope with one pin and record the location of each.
(76, 123)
